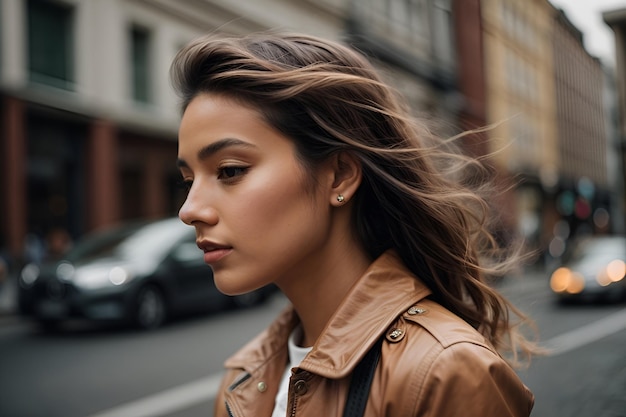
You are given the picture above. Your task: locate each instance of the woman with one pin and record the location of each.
(304, 170)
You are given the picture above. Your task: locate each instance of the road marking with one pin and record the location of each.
(168, 401)
(586, 334)
(205, 389)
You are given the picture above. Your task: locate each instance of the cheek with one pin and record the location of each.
(276, 202)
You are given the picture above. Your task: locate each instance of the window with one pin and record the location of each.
(140, 60)
(50, 43)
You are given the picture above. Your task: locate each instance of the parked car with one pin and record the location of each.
(142, 273)
(593, 269)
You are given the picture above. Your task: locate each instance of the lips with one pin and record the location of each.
(213, 252)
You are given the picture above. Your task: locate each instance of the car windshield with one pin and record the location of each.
(599, 249)
(153, 240)
(100, 244)
(135, 241)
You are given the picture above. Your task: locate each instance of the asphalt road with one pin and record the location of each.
(172, 372)
(583, 373)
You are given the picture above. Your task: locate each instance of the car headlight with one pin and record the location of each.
(93, 279)
(65, 271)
(29, 275)
(613, 272)
(616, 270)
(565, 280)
(118, 275)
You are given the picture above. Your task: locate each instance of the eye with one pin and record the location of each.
(231, 172)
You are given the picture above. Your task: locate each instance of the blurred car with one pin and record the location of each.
(593, 269)
(141, 273)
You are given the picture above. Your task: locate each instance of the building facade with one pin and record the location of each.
(616, 20)
(545, 98)
(89, 120)
(584, 187)
(519, 74)
(470, 59)
(88, 117)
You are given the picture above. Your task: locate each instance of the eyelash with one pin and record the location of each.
(226, 173)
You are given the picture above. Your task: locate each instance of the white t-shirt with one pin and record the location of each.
(296, 355)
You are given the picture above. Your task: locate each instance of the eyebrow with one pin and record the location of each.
(209, 150)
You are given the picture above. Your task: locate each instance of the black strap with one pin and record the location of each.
(361, 382)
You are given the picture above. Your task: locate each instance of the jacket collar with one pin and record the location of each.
(386, 290)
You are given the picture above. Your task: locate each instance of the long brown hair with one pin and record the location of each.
(416, 196)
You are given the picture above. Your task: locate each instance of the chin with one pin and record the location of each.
(240, 282)
(231, 288)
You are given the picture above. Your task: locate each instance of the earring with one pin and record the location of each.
(340, 198)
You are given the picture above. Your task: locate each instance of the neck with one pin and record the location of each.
(320, 287)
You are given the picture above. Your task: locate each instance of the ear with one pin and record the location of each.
(347, 176)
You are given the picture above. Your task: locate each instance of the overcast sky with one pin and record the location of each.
(586, 15)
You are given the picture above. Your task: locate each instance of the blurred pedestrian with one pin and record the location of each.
(304, 170)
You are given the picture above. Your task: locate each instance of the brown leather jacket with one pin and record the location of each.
(432, 362)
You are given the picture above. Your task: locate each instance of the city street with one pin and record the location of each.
(144, 140)
(584, 374)
(174, 371)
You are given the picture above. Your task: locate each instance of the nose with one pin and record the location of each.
(197, 207)
(185, 213)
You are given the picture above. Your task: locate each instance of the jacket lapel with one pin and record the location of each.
(385, 291)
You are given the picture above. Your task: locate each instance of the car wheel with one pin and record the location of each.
(150, 310)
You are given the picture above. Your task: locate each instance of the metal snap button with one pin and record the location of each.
(300, 387)
(416, 310)
(395, 335)
(261, 386)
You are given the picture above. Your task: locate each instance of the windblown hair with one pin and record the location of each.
(415, 196)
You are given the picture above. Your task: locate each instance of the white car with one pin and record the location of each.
(594, 269)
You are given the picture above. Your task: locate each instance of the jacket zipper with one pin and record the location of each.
(234, 385)
(293, 406)
(230, 413)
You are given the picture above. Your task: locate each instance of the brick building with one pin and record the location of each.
(88, 118)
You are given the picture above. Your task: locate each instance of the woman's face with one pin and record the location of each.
(256, 219)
